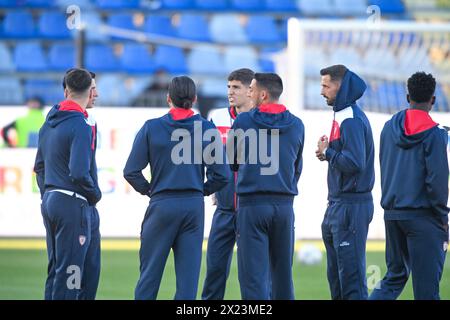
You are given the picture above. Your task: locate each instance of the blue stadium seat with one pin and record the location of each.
(53, 25)
(121, 20)
(266, 59)
(241, 57)
(39, 3)
(136, 58)
(8, 3)
(226, 28)
(100, 57)
(316, 7)
(213, 5)
(119, 96)
(83, 4)
(10, 91)
(206, 59)
(29, 56)
(214, 87)
(117, 4)
(61, 56)
(18, 24)
(281, 5)
(194, 27)
(93, 21)
(6, 63)
(389, 6)
(350, 7)
(49, 90)
(262, 29)
(160, 25)
(170, 59)
(178, 4)
(247, 5)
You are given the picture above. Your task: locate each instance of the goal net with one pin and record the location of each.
(384, 53)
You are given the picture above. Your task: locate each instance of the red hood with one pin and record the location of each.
(272, 108)
(180, 113)
(417, 121)
(70, 105)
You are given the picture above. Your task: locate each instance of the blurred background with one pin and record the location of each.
(136, 45)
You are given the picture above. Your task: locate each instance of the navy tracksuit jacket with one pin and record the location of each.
(350, 157)
(414, 184)
(175, 217)
(222, 235)
(65, 161)
(265, 222)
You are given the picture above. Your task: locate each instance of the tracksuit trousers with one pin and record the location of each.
(73, 247)
(173, 220)
(265, 240)
(222, 238)
(344, 232)
(418, 246)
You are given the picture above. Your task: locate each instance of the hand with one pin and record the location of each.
(214, 199)
(322, 145)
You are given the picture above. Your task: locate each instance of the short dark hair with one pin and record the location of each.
(421, 87)
(78, 80)
(71, 69)
(270, 82)
(243, 75)
(336, 72)
(182, 92)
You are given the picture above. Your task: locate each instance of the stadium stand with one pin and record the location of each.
(216, 37)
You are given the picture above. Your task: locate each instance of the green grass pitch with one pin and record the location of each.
(23, 272)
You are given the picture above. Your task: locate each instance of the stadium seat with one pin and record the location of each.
(346, 56)
(53, 25)
(212, 5)
(49, 90)
(83, 4)
(18, 24)
(121, 20)
(117, 4)
(29, 56)
(170, 59)
(205, 59)
(350, 7)
(262, 29)
(62, 56)
(246, 5)
(120, 96)
(266, 59)
(6, 62)
(226, 28)
(159, 25)
(214, 87)
(39, 3)
(92, 22)
(281, 5)
(241, 57)
(316, 7)
(178, 4)
(194, 27)
(136, 58)
(11, 92)
(100, 57)
(8, 3)
(389, 6)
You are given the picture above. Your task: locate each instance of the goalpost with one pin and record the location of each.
(384, 53)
